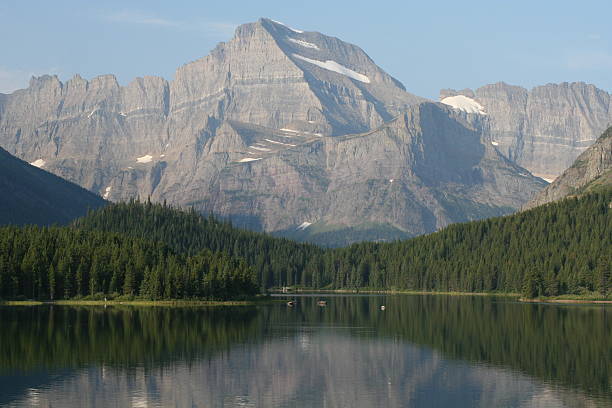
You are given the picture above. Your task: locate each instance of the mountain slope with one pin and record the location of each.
(276, 128)
(543, 129)
(29, 195)
(592, 170)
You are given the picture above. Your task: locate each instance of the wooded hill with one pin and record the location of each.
(51, 263)
(559, 248)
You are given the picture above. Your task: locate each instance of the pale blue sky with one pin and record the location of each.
(427, 45)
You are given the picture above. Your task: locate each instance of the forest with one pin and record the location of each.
(154, 251)
(50, 263)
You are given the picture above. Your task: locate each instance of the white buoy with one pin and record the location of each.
(382, 307)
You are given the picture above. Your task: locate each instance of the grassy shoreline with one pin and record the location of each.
(556, 299)
(148, 303)
(563, 299)
(394, 292)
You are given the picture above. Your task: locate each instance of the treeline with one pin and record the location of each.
(559, 248)
(276, 261)
(64, 262)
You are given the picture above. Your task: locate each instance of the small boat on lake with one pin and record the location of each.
(322, 303)
(291, 303)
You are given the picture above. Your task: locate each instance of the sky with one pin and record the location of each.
(427, 45)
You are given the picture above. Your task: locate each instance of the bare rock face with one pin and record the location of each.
(544, 129)
(279, 129)
(591, 170)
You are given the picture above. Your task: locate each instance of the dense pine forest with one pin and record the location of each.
(52, 263)
(154, 251)
(560, 248)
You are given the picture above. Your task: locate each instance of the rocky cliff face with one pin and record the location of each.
(591, 170)
(544, 129)
(281, 130)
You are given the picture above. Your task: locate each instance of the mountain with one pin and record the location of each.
(543, 129)
(592, 170)
(29, 195)
(279, 129)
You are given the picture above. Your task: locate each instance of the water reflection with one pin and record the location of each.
(421, 351)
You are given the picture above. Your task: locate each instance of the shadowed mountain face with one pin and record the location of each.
(543, 129)
(591, 171)
(32, 196)
(277, 128)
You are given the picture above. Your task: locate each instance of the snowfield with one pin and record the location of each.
(304, 43)
(464, 103)
(335, 67)
(144, 159)
(38, 163)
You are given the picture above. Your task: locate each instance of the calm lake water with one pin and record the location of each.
(422, 351)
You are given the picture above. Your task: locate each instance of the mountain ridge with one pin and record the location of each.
(33, 196)
(545, 128)
(263, 130)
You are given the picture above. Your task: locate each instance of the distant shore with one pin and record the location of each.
(391, 292)
(155, 303)
(568, 300)
(558, 299)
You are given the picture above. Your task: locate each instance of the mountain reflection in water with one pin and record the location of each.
(421, 351)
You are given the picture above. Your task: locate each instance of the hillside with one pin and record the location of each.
(29, 195)
(560, 248)
(50, 263)
(592, 171)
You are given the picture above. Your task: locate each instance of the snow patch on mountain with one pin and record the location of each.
(38, 163)
(304, 225)
(261, 149)
(280, 143)
(144, 159)
(464, 103)
(249, 159)
(291, 28)
(335, 67)
(107, 192)
(304, 43)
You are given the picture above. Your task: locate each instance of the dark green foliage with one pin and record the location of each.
(38, 263)
(560, 248)
(277, 261)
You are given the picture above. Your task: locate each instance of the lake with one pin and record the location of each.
(421, 351)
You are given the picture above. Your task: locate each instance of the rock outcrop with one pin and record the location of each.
(543, 129)
(591, 170)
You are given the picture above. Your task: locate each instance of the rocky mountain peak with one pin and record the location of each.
(543, 129)
(276, 128)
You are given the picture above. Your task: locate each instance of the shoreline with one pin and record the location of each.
(569, 300)
(393, 292)
(147, 303)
